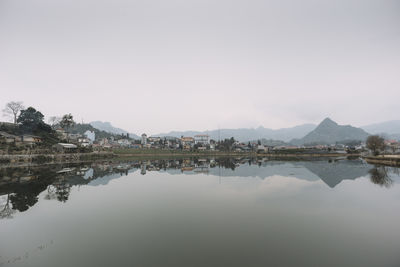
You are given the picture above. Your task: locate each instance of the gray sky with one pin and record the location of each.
(159, 65)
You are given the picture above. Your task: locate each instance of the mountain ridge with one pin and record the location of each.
(249, 134)
(294, 135)
(330, 132)
(391, 127)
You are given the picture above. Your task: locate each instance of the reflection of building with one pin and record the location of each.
(202, 166)
(201, 139)
(187, 169)
(143, 168)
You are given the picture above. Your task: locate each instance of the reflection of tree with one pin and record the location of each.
(379, 176)
(226, 163)
(25, 194)
(51, 193)
(62, 191)
(23, 199)
(7, 211)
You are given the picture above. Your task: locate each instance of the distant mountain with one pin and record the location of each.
(387, 127)
(107, 127)
(248, 134)
(329, 132)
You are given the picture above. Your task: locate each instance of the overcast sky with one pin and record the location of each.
(158, 65)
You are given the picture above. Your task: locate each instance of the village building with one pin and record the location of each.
(124, 142)
(65, 148)
(84, 142)
(154, 140)
(91, 135)
(187, 142)
(392, 146)
(8, 138)
(202, 139)
(144, 139)
(30, 139)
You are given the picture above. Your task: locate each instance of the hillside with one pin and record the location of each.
(329, 132)
(387, 127)
(107, 127)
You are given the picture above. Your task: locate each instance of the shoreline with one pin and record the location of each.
(387, 160)
(26, 160)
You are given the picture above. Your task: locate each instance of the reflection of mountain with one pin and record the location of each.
(267, 169)
(22, 186)
(332, 173)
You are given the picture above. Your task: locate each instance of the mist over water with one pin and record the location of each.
(201, 212)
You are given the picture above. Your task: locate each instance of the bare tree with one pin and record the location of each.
(12, 109)
(375, 143)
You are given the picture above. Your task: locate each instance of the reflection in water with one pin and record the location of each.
(379, 175)
(200, 212)
(20, 187)
(7, 211)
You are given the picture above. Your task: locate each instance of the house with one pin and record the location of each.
(124, 142)
(154, 140)
(65, 148)
(202, 139)
(392, 146)
(8, 138)
(212, 146)
(74, 136)
(137, 146)
(91, 135)
(144, 139)
(262, 149)
(84, 142)
(30, 139)
(187, 142)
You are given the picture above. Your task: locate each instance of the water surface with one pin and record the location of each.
(201, 212)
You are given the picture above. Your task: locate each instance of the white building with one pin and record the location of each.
(91, 135)
(202, 139)
(124, 142)
(144, 139)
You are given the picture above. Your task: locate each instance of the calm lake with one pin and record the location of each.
(201, 212)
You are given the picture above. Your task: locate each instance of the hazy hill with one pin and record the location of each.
(248, 134)
(387, 127)
(107, 127)
(329, 132)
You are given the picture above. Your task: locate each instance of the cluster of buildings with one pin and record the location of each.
(201, 142)
(72, 141)
(19, 140)
(392, 146)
